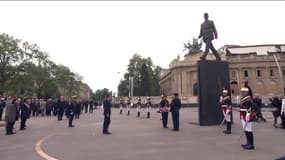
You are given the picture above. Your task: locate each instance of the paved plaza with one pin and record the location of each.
(138, 139)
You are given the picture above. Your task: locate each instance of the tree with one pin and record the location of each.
(100, 94)
(10, 54)
(146, 78)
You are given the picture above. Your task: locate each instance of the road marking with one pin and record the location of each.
(39, 150)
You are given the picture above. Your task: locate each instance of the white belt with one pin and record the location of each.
(243, 110)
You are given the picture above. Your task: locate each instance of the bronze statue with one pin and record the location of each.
(208, 32)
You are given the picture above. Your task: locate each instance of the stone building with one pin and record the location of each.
(263, 66)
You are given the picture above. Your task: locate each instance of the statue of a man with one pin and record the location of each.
(208, 32)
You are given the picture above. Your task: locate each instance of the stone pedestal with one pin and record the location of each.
(212, 77)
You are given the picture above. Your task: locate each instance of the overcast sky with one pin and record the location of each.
(97, 39)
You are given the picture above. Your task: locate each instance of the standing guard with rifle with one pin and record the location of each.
(246, 116)
(226, 104)
(148, 107)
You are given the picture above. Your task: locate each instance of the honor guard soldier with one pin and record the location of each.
(164, 109)
(148, 107)
(246, 116)
(128, 105)
(121, 105)
(226, 104)
(139, 106)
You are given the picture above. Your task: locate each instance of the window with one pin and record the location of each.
(245, 73)
(271, 73)
(258, 72)
(233, 74)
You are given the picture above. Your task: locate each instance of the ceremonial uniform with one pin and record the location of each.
(226, 104)
(139, 107)
(121, 105)
(148, 107)
(164, 109)
(128, 105)
(246, 116)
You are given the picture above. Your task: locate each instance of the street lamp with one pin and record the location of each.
(22, 73)
(71, 77)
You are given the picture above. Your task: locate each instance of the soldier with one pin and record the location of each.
(164, 108)
(226, 104)
(121, 105)
(71, 107)
(139, 106)
(208, 32)
(175, 107)
(246, 116)
(107, 115)
(128, 105)
(148, 107)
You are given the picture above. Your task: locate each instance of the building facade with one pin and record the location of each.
(263, 66)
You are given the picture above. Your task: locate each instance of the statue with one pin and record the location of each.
(208, 32)
(195, 47)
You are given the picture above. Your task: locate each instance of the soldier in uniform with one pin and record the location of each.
(226, 104)
(128, 105)
(246, 116)
(139, 106)
(107, 114)
(121, 105)
(148, 106)
(164, 109)
(175, 107)
(208, 32)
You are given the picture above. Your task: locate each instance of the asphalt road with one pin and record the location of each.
(139, 139)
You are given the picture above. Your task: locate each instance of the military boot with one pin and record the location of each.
(250, 145)
(148, 114)
(229, 126)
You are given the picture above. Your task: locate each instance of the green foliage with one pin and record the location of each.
(41, 78)
(100, 94)
(146, 77)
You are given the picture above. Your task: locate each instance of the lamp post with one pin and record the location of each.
(71, 77)
(22, 73)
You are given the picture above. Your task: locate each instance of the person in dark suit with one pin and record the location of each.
(174, 109)
(60, 106)
(2, 106)
(208, 32)
(11, 115)
(107, 114)
(164, 109)
(71, 107)
(77, 109)
(24, 113)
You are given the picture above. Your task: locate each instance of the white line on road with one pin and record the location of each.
(39, 150)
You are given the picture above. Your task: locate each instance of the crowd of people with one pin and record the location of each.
(24, 108)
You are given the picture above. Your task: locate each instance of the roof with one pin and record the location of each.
(257, 49)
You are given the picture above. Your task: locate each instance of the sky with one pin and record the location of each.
(97, 38)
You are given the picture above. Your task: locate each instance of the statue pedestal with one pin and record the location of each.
(212, 77)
